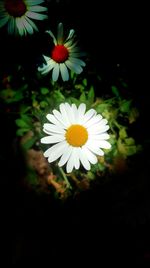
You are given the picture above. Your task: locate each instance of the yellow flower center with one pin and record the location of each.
(76, 135)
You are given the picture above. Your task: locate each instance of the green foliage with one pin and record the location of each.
(10, 95)
(115, 91)
(32, 104)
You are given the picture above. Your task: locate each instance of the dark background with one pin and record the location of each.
(109, 223)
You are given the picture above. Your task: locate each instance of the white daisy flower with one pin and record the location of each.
(75, 136)
(63, 56)
(18, 15)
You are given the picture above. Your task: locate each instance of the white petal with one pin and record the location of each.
(55, 72)
(27, 26)
(88, 115)
(94, 148)
(90, 156)
(55, 151)
(45, 69)
(52, 35)
(3, 21)
(104, 144)
(54, 120)
(70, 163)
(50, 150)
(74, 67)
(48, 67)
(20, 26)
(60, 33)
(36, 16)
(103, 122)
(12, 26)
(84, 160)
(9, 26)
(103, 136)
(60, 118)
(37, 8)
(95, 130)
(81, 109)
(75, 155)
(32, 23)
(33, 2)
(64, 72)
(64, 113)
(72, 46)
(94, 120)
(77, 61)
(52, 139)
(73, 160)
(75, 112)
(71, 33)
(69, 44)
(46, 58)
(49, 61)
(65, 156)
(76, 54)
(53, 128)
(70, 113)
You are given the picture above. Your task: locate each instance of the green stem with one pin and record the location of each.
(65, 178)
(117, 125)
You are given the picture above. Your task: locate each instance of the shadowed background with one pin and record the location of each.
(109, 222)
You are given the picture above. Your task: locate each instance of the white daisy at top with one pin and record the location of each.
(19, 15)
(64, 55)
(75, 136)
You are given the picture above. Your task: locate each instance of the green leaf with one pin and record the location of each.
(121, 147)
(29, 143)
(133, 115)
(83, 97)
(43, 104)
(58, 96)
(73, 100)
(131, 150)
(106, 114)
(18, 96)
(32, 177)
(115, 91)
(123, 133)
(125, 149)
(72, 75)
(79, 87)
(91, 95)
(26, 118)
(35, 104)
(101, 167)
(24, 108)
(44, 90)
(84, 82)
(130, 141)
(102, 107)
(11, 96)
(125, 106)
(21, 123)
(21, 131)
(112, 139)
(124, 84)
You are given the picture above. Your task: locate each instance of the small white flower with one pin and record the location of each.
(18, 15)
(64, 54)
(75, 136)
